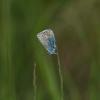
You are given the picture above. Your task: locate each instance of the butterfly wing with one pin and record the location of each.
(51, 45)
(47, 39)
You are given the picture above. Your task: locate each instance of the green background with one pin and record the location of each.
(76, 24)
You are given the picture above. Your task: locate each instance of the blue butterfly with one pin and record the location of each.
(47, 39)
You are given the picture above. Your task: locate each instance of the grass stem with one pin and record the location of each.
(34, 81)
(60, 75)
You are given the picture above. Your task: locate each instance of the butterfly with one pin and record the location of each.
(47, 39)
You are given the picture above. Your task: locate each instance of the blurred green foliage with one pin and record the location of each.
(76, 24)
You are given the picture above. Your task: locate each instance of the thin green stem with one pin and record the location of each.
(60, 75)
(34, 81)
